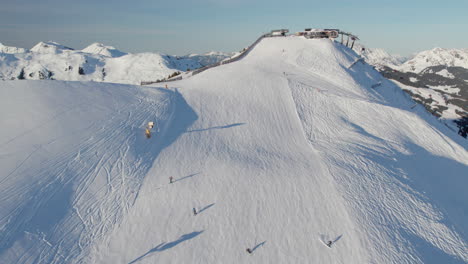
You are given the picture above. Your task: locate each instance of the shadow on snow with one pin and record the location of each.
(216, 127)
(51, 202)
(165, 246)
(258, 245)
(186, 177)
(436, 180)
(206, 207)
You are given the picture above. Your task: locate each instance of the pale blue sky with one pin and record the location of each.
(182, 26)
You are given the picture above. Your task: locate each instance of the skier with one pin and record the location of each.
(329, 243)
(147, 133)
(171, 179)
(194, 211)
(249, 251)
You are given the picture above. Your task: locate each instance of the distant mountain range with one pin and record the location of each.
(436, 57)
(10, 50)
(436, 78)
(97, 62)
(379, 57)
(209, 58)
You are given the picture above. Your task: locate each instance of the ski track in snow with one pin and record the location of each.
(355, 162)
(109, 199)
(278, 152)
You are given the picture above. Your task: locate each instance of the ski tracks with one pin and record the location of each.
(99, 178)
(123, 171)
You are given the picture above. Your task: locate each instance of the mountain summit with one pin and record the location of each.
(49, 47)
(436, 57)
(101, 49)
(291, 154)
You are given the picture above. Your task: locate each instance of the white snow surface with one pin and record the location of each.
(50, 47)
(97, 62)
(101, 49)
(379, 57)
(10, 50)
(209, 58)
(276, 152)
(436, 57)
(445, 73)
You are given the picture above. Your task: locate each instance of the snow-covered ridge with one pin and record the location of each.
(436, 57)
(50, 47)
(10, 50)
(278, 152)
(209, 57)
(379, 57)
(101, 49)
(97, 62)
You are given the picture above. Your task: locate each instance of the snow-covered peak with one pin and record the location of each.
(101, 49)
(379, 57)
(11, 50)
(436, 57)
(211, 53)
(216, 53)
(209, 58)
(49, 47)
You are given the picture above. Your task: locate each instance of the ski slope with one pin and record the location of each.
(72, 162)
(278, 151)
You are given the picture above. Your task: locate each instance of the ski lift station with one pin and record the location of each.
(314, 33)
(319, 33)
(279, 32)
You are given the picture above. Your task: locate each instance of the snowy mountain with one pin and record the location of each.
(209, 58)
(280, 152)
(51, 60)
(379, 57)
(437, 79)
(436, 57)
(133, 68)
(101, 49)
(11, 50)
(50, 47)
(441, 89)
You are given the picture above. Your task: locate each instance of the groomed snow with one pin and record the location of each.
(276, 152)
